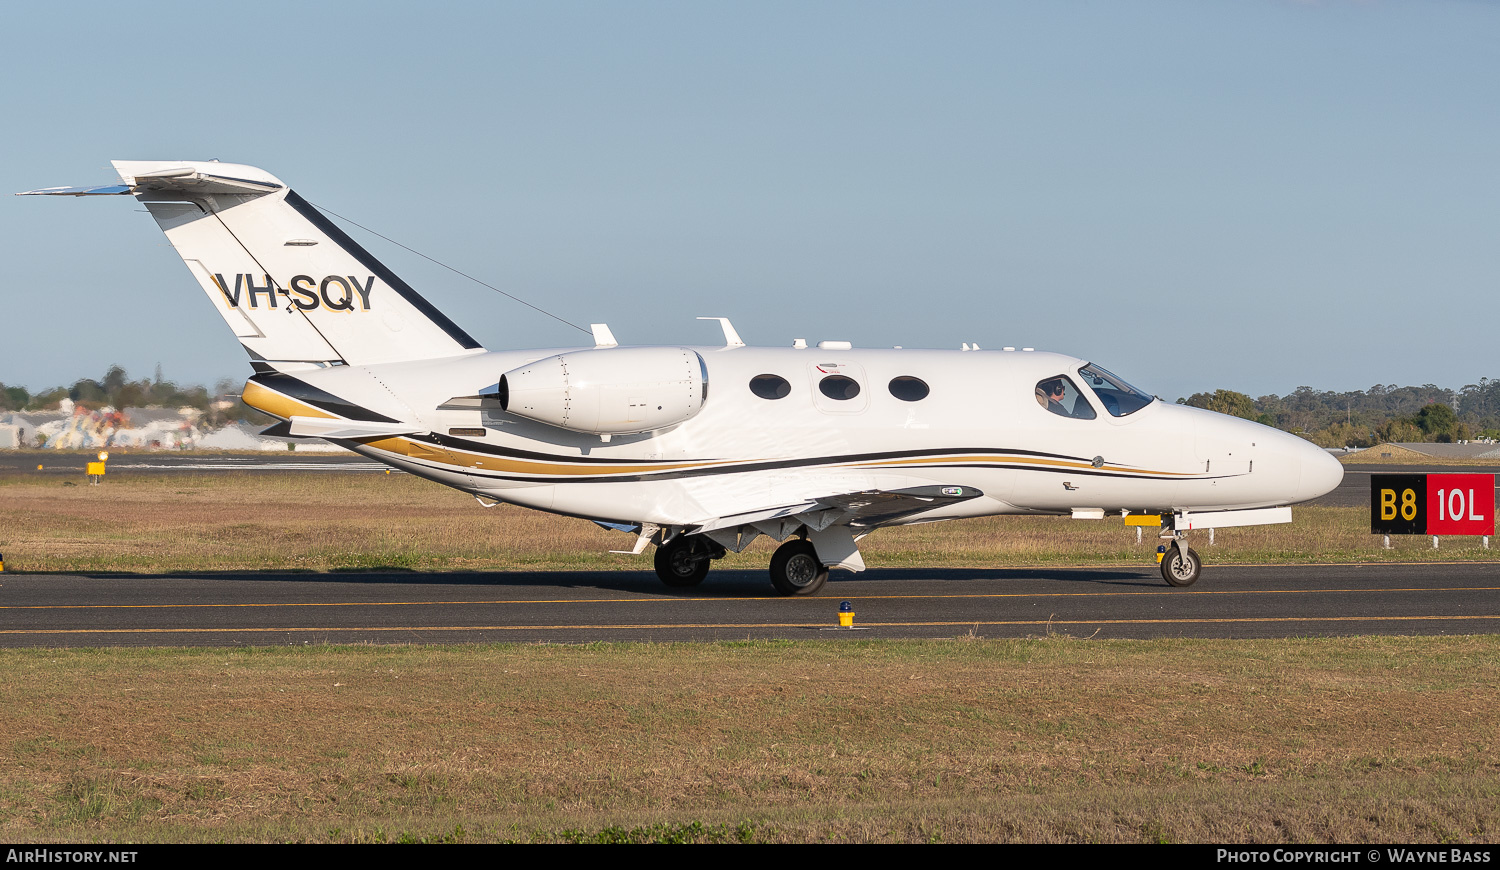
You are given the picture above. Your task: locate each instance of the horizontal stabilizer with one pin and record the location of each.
(279, 429)
(177, 179)
(97, 190)
(472, 403)
(322, 427)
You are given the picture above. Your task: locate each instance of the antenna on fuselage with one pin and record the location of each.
(731, 338)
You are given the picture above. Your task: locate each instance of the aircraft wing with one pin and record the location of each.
(865, 509)
(834, 522)
(873, 508)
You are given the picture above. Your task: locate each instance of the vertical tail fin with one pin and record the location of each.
(291, 285)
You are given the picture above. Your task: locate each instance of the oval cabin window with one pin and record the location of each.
(909, 389)
(839, 387)
(770, 386)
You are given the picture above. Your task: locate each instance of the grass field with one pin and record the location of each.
(1391, 454)
(1047, 739)
(326, 522)
(1043, 740)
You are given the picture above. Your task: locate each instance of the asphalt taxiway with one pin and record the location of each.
(274, 609)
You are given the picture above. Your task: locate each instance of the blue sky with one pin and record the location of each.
(1247, 195)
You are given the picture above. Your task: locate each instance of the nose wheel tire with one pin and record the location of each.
(1181, 566)
(682, 561)
(795, 569)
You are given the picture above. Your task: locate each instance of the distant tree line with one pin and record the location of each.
(219, 406)
(1363, 418)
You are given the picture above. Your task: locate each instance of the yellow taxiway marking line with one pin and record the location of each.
(741, 625)
(685, 600)
(1161, 590)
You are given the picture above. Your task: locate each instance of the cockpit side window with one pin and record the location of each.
(1118, 397)
(1059, 395)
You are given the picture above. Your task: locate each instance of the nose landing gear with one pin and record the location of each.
(1180, 566)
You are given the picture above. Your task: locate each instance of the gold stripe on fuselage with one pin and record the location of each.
(466, 460)
(263, 398)
(463, 460)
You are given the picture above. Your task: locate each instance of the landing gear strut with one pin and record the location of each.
(796, 569)
(683, 561)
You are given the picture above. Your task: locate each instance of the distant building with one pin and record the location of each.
(77, 428)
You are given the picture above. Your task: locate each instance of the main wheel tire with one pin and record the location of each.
(1181, 566)
(795, 569)
(679, 563)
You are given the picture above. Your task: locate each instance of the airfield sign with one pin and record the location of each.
(1432, 504)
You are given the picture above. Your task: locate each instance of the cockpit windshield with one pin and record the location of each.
(1118, 397)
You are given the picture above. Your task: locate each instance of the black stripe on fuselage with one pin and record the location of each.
(453, 443)
(302, 391)
(341, 238)
(465, 444)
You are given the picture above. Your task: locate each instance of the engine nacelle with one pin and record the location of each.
(608, 391)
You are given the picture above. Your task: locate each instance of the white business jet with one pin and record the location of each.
(700, 450)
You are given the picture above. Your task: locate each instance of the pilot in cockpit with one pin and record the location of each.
(1052, 394)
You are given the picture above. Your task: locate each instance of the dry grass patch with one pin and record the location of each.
(282, 521)
(1051, 739)
(1406, 456)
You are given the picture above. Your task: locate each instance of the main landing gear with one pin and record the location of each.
(683, 561)
(795, 567)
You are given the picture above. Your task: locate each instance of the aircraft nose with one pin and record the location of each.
(1321, 473)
